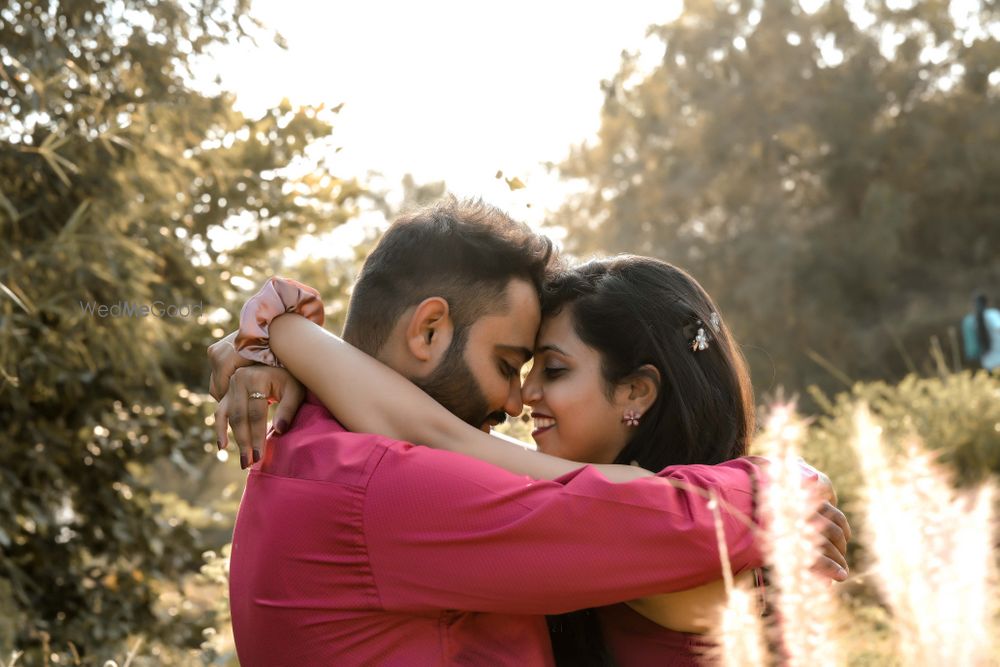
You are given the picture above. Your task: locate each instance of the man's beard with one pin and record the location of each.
(452, 385)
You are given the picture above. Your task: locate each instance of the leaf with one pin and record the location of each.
(515, 183)
(53, 141)
(74, 220)
(13, 297)
(124, 143)
(57, 162)
(71, 64)
(64, 162)
(9, 207)
(12, 379)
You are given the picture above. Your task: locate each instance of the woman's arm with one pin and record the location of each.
(368, 396)
(692, 610)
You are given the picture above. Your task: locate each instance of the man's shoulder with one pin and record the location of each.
(318, 448)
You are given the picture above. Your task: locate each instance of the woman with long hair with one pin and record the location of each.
(605, 324)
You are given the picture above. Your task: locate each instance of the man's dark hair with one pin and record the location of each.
(465, 251)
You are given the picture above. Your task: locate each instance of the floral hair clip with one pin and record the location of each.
(701, 339)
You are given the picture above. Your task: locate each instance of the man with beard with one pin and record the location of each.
(355, 549)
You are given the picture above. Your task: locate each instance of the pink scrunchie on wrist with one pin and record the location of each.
(276, 297)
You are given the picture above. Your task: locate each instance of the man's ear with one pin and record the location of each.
(639, 390)
(429, 330)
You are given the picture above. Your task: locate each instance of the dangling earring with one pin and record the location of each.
(631, 418)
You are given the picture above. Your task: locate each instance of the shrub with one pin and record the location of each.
(955, 415)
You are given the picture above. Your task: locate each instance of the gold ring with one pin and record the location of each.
(257, 394)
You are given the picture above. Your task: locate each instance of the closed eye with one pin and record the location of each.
(552, 372)
(507, 370)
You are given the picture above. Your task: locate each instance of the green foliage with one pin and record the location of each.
(120, 182)
(955, 415)
(334, 276)
(832, 185)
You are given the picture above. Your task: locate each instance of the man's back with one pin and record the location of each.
(302, 587)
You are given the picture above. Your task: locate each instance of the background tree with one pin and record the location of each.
(336, 266)
(830, 175)
(122, 182)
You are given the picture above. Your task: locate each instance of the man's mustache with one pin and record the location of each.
(498, 417)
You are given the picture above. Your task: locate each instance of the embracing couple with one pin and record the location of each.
(383, 525)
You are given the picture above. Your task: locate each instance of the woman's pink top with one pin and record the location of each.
(635, 641)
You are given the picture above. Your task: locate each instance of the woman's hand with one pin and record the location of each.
(244, 407)
(223, 360)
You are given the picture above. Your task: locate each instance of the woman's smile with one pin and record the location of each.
(543, 423)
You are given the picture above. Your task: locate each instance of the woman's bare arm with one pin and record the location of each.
(368, 396)
(693, 610)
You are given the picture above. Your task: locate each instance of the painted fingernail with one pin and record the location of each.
(243, 460)
(280, 426)
(256, 455)
(219, 443)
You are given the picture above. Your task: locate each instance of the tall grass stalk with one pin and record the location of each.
(805, 603)
(739, 631)
(739, 635)
(932, 551)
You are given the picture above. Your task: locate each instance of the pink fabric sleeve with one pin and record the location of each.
(450, 532)
(276, 297)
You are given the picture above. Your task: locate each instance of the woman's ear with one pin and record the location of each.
(429, 330)
(639, 390)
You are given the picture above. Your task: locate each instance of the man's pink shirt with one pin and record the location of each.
(356, 549)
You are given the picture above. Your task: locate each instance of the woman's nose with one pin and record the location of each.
(531, 390)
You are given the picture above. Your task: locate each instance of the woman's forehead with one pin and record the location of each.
(557, 330)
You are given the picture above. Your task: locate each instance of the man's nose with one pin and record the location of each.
(514, 406)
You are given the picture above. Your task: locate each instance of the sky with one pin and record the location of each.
(453, 91)
(444, 90)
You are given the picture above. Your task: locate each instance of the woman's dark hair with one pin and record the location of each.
(636, 311)
(981, 331)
